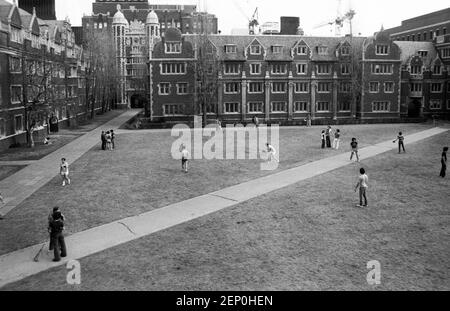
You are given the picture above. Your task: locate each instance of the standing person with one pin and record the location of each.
(363, 184)
(444, 162)
(185, 155)
(337, 139)
(103, 137)
(50, 219)
(323, 139)
(328, 136)
(401, 144)
(308, 121)
(108, 141)
(354, 145)
(256, 121)
(57, 236)
(272, 152)
(64, 171)
(113, 140)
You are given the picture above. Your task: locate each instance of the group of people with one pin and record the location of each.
(326, 138)
(108, 140)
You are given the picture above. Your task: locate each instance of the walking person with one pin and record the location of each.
(103, 137)
(113, 140)
(57, 236)
(323, 139)
(328, 136)
(185, 155)
(401, 144)
(444, 163)
(64, 171)
(354, 145)
(337, 139)
(363, 185)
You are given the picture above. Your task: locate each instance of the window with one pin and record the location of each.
(278, 87)
(437, 70)
(323, 87)
(374, 87)
(345, 69)
(436, 87)
(322, 50)
(164, 88)
(232, 69)
(323, 106)
(423, 53)
(255, 107)
(344, 106)
(416, 87)
(416, 70)
(279, 107)
(18, 124)
(301, 106)
(15, 65)
(381, 106)
(345, 87)
(302, 69)
(435, 104)
(173, 47)
(323, 69)
(232, 88)
(345, 50)
(16, 94)
(382, 69)
(389, 87)
(445, 53)
(301, 87)
(16, 35)
(419, 38)
(255, 69)
(230, 49)
(255, 50)
(382, 49)
(182, 88)
(302, 50)
(277, 49)
(173, 109)
(173, 68)
(255, 87)
(231, 107)
(278, 69)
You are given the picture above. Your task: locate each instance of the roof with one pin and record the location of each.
(411, 48)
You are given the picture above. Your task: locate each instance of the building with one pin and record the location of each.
(289, 25)
(45, 9)
(422, 28)
(40, 64)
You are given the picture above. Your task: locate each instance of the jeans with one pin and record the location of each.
(362, 195)
(400, 146)
(328, 142)
(59, 245)
(443, 170)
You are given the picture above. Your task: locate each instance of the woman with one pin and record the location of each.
(444, 162)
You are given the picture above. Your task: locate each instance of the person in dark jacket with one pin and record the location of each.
(57, 236)
(444, 162)
(113, 140)
(103, 137)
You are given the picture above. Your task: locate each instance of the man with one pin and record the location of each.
(444, 162)
(337, 139)
(113, 140)
(308, 121)
(272, 152)
(64, 171)
(363, 184)
(355, 151)
(328, 136)
(184, 159)
(103, 137)
(50, 219)
(400, 139)
(57, 236)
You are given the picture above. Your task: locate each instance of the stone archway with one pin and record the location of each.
(415, 108)
(138, 101)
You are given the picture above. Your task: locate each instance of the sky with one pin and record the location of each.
(371, 14)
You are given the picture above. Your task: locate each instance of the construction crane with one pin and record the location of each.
(340, 20)
(253, 22)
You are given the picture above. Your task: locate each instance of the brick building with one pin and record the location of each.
(45, 9)
(39, 61)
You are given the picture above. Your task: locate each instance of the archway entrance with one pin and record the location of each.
(138, 101)
(415, 108)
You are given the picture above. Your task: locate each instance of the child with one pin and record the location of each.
(113, 140)
(401, 144)
(363, 184)
(184, 159)
(354, 145)
(64, 171)
(271, 152)
(323, 139)
(444, 162)
(337, 139)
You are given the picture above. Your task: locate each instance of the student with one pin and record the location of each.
(363, 184)
(328, 136)
(323, 139)
(50, 219)
(400, 139)
(103, 138)
(113, 140)
(337, 139)
(108, 141)
(57, 236)
(64, 171)
(444, 162)
(272, 152)
(354, 145)
(184, 159)
(308, 121)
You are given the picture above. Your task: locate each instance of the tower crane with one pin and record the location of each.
(339, 21)
(253, 22)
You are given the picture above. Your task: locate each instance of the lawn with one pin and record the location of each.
(6, 171)
(309, 236)
(141, 176)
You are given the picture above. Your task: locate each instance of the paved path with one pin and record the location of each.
(16, 163)
(18, 265)
(18, 187)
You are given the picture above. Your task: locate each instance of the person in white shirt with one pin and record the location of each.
(272, 152)
(185, 155)
(363, 185)
(64, 171)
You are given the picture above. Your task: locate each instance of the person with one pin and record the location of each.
(57, 236)
(50, 219)
(308, 121)
(400, 139)
(444, 162)
(272, 152)
(256, 121)
(218, 125)
(103, 138)
(354, 145)
(108, 140)
(323, 139)
(64, 171)
(113, 140)
(185, 155)
(363, 185)
(47, 141)
(328, 136)
(337, 139)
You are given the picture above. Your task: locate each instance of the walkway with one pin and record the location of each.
(18, 187)
(18, 265)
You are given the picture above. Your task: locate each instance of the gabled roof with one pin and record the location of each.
(410, 49)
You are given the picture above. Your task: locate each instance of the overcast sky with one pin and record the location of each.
(235, 13)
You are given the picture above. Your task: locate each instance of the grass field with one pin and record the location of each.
(6, 171)
(141, 176)
(309, 236)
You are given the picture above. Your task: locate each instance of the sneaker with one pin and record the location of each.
(359, 206)
(64, 184)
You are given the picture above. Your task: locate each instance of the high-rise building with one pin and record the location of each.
(45, 9)
(289, 25)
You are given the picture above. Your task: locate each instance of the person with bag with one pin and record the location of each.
(57, 237)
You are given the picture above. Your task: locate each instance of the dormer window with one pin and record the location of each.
(345, 50)
(255, 50)
(230, 49)
(423, 53)
(416, 70)
(302, 50)
(277, 49)
(173, 47)
(382, 49)
(437, 70)
(322, 50)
